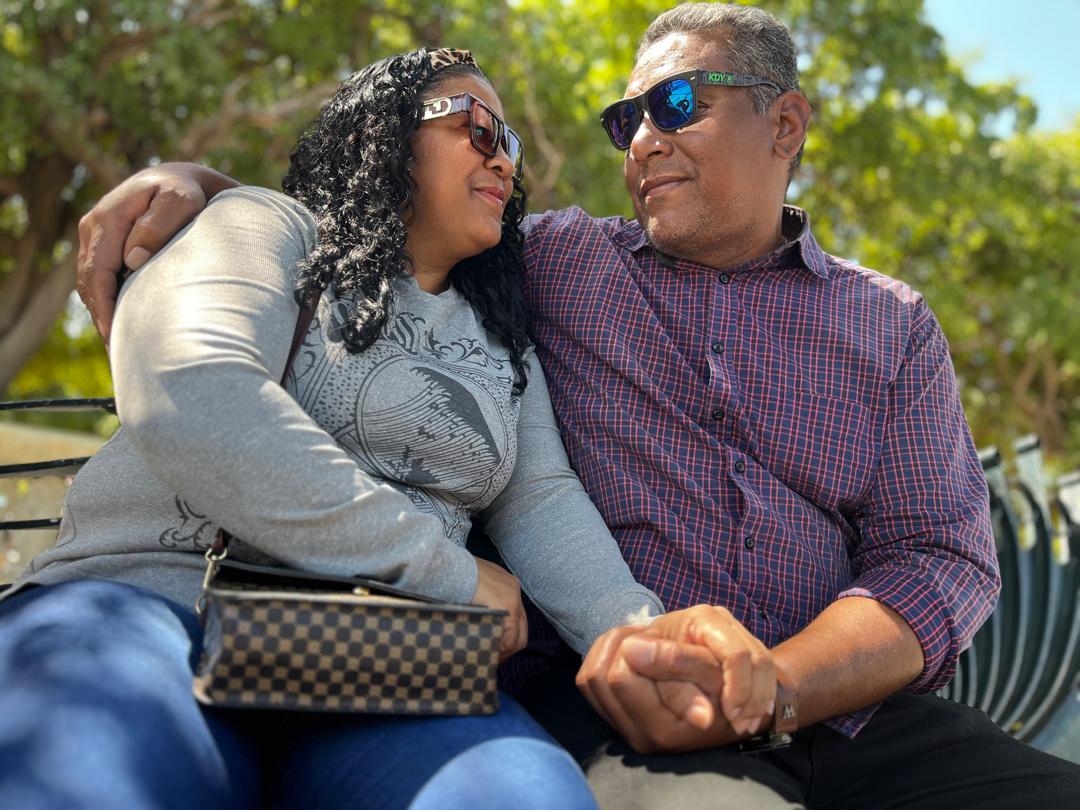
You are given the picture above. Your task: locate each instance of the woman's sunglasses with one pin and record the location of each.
(670, 103)
(487, 132)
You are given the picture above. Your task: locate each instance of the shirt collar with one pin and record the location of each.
(795, 226)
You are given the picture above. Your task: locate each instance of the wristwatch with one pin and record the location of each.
(786, 715)
(785, 723)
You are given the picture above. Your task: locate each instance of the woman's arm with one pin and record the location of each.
(552, 537)
(201, 338)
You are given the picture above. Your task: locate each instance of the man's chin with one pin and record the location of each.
(667, 237)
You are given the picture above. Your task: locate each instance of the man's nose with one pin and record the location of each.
(649, 141)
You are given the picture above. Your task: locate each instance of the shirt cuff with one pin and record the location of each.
(922, 607)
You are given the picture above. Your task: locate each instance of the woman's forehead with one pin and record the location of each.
(476, 85)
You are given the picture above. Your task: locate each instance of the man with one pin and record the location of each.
(774, 436)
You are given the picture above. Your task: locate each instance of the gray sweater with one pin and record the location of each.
(368, 463)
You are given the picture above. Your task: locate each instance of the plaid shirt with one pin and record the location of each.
(771, 437)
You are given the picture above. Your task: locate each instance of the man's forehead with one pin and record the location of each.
(674, 53)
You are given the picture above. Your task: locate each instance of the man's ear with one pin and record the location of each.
(792, 115)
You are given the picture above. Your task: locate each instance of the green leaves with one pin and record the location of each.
(910, 167)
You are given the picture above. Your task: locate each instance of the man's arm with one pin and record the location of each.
(134, 221)
(857, 652)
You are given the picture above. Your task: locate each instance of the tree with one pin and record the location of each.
(90, 91)
(911, 168)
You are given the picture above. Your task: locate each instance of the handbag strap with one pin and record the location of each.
(303, 322)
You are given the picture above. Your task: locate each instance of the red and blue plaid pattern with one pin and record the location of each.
(771, 437)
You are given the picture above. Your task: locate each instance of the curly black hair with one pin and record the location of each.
(350, 170)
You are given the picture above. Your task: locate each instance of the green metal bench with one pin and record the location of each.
(1022, 666)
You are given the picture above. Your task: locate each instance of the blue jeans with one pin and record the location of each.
(96, 711)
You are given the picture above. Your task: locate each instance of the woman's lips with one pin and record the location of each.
(492, 195)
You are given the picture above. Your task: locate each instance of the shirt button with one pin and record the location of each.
(724, 278)
(749, 543)
(718, 347)
(718, 413)
(763, 613)
(740, 466)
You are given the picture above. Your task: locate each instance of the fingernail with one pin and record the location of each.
(770, 707)
(735, 714)
(638, 651)
(137, 257)
(700, 714)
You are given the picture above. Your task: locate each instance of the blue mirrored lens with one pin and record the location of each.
(671, 104)
(622, 123)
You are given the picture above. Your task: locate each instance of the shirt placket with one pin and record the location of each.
(747, 508)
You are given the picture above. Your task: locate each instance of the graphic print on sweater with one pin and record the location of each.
(433, 418)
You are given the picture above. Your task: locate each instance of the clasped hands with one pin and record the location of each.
(692, 679)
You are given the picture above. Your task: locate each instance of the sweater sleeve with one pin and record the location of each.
(202, 335)
(553, 538)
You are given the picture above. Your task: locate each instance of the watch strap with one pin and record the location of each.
(786, 714)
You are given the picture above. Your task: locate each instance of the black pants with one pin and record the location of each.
(917, 751)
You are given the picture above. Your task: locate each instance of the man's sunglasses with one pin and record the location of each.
(487, 132)
(670, 103)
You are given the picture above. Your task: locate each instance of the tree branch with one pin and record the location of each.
(212, 132)
(204, 15)
(543, 187)
(36, 319)
(75, 142)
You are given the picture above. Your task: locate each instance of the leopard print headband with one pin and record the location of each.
(445, 57)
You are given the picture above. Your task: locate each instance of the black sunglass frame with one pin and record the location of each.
(708, 78)
(464, 102)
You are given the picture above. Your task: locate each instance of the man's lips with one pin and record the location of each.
(657, 186)
(493, 194)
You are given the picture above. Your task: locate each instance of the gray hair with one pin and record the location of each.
(757, 43)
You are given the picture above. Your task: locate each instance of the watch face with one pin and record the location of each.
(765, 742)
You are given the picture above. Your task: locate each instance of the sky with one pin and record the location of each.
(1034, 41)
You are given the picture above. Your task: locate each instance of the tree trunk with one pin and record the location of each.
(30, 328)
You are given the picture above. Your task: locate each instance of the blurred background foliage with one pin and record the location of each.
(911, 168)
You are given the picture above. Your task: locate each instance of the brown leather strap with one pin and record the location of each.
(303, 322)
(307, 312)
(786, 716)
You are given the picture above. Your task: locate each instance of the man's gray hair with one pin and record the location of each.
(757, 43)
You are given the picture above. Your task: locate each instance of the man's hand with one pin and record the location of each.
(660, 695)
(670, 686)
(498, 588)
(134, 221)
(749, 674)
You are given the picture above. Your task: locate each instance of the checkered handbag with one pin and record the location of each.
(277, 638)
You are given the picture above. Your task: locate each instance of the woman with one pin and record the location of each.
(414, 394)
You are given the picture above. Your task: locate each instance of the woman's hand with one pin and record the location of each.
(499, 589)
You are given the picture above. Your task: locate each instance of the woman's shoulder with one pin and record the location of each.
(257, 206)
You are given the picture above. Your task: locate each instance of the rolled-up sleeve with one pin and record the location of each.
(926, 545)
